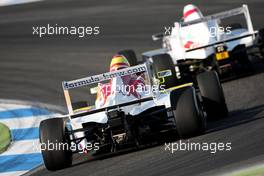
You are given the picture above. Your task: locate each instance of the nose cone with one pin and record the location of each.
(191, 12)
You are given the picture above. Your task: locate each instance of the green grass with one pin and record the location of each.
(253, 171)
(5, 137)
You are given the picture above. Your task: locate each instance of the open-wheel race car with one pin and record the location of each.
(222, 42)
(126, 107)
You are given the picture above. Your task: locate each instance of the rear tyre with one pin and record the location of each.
(53, 133)
(240, 56)
(212, 95)
(130, 55)
(189, 118)
(161, 63)
(261, 42)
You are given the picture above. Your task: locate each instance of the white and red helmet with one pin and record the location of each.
(191, 12)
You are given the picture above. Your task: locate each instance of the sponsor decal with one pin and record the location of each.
(102, 77)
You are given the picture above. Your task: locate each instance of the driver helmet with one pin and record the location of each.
(118, 62)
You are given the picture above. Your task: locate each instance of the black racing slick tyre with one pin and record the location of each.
(189, 117)
(164, 70)
(130, 55)
(261, 42)
(52, 133)
(240, 56)
(212, 95)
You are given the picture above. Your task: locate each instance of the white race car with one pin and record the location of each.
(199, 43)
(130, 108)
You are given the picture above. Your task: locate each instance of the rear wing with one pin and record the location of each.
(221, 15)
(225, 14)
(67, 85)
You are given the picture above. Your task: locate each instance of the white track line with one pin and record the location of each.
(13, 2)
(20, 103)
(9, 107)
(15, 173)
(26, 122)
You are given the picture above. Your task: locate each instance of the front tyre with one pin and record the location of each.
(164, 70)
(130, 55)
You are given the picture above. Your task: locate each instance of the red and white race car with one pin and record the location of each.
(199, 42)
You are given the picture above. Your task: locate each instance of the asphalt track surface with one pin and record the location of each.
(32, 68)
